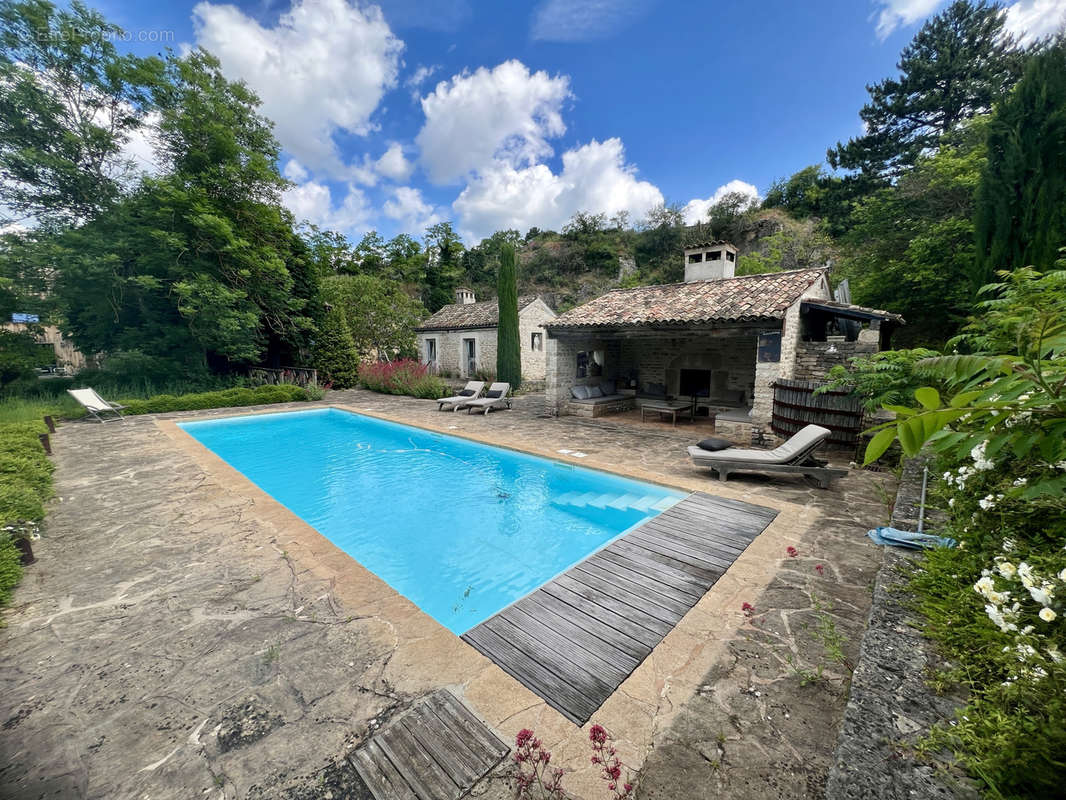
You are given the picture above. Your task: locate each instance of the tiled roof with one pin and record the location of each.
(707, 243)
(485, 314)
(750, 297)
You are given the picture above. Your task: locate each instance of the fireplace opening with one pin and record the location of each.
(695, 383)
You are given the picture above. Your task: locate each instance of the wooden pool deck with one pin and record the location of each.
(577, 638)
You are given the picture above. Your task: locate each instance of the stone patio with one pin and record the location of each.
(183, 635)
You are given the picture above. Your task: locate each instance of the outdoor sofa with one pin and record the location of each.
(595, 401)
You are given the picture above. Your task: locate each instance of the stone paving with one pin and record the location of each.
(183, 636)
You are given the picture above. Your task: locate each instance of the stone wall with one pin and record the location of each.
(530, 320)
(815, 359)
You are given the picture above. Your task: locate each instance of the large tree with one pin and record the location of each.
(444, 253)
(199, 267)
(959, 64)
(69, 102)
(380, 316)
(1021, 207)
(508, 344)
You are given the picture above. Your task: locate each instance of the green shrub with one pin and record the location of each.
(226, 398)
(10, 568)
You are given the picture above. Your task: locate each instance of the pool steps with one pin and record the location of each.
(619, 502)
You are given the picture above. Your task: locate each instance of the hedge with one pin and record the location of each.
(227, 398)
(25, 483)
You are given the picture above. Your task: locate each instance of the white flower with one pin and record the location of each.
(951, 502)
(1007, 570)
(1041, 596)
(1047, 615)
(987, 502)
(1025, 574)
(1062, 576)
(1020, 482)
(984, 586)
(1054, 654)
(980, 463)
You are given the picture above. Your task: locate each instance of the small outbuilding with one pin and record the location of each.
(460, 338)
(716, 341)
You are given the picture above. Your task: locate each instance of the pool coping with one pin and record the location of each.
(428, 656)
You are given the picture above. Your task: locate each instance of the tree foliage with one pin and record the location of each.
(335, 355)
(379, 314)
(508, 345)
(959, 64)
(68, 103)
(444, 259)
(1021, 206)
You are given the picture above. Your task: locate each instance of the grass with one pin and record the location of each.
(25, 483)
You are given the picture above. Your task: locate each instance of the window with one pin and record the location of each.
(589, 363)
(714, 255)
(431, 351)
(536, 341)
(730, 256)
(695, 258)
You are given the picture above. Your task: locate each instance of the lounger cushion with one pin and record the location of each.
(594, 392)
(580, 392)
(467, 393)
(713, 443)
(493, 394)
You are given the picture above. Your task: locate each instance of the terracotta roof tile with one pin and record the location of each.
(750, 297)
(485, 314)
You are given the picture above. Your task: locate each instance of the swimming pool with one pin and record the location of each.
(461, 529)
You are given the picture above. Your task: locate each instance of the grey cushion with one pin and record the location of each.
(580, 392)
(595, 391)
(492, 395)
(608, 387)
(467, 393)
(713, 443)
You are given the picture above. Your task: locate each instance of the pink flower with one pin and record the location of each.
(747, 608)
(597, 734)
(523, 736)
(792, 551)
(819, 568)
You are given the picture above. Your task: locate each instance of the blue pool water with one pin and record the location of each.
(461, 529)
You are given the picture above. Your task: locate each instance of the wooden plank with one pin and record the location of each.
(434, 740)
(739, 505)
(603, 593)
(681, 582)
(730, 548)
(555, 691)
(564, 601)
(482, 742)
(677, 548)
(555, 653)
(379, 775)
(707, 576)
(417, 767)
(647, 589)
(713, 521)
(587, 632)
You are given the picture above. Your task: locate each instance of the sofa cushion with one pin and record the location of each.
(580, 392)
(713, 443)
(595, 391)
(608, 387)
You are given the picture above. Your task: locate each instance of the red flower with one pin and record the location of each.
(747, 608)
(597, 734)
(792, 551)
(819, 568)
(523, 736)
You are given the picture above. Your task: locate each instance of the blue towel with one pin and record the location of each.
(916, 541)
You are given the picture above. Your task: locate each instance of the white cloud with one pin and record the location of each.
(418, 77)
(1030, 20)
(899, 13)
(322, 68)
(295, 171)
(503, 114)
(594, 178)
(393, 164)
(696, 209)
(412, 212)
(313, 201)
(584, 20)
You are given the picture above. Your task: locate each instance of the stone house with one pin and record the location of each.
(717, 340)
(460, 339)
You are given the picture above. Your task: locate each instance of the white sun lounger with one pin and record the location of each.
(794, 456)
(495, 397)
(471, 391)
(95, 404)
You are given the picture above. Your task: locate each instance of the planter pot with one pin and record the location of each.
(26, 551)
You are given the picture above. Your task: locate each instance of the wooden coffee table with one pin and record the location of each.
(675, 408)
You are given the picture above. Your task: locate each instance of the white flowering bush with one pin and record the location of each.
(996, 605)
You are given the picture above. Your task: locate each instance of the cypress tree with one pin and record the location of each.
(336, 358)
(1020, 217)
(508, 346)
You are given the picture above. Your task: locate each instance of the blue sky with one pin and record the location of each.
(511, 114)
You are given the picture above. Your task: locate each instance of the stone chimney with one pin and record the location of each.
(464, 296)
(711, 261)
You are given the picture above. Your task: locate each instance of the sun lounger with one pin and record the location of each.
(471, 391)
(95, 404)
(794, 456)
(495, 397)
